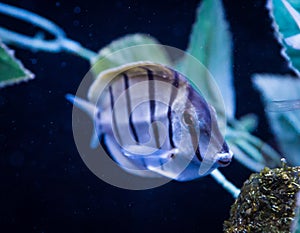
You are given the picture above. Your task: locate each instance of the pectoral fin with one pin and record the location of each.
(148, 153)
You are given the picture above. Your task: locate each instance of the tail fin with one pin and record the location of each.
(89, 109)
(82, 104)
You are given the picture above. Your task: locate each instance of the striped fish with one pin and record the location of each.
(152, 122)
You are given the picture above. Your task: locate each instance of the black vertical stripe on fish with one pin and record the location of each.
(151, 94)
(190, 93)
(128, 101)
(170, 131)
(195, 142)
(144, 163)
(98, 115)
(198, 155)
(175, 83)
(106, 149)
(172, 98)
(193, 134)
(152, 106)
(99, 126)
(114, 127)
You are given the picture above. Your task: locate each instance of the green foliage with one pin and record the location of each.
(11, 70)
(284, 124)
(210, 43)
(286, 23)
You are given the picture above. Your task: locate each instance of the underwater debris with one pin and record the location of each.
(267, 202)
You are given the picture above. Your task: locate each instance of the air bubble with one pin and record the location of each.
(77, 10)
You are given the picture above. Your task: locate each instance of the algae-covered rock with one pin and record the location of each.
(266, 203)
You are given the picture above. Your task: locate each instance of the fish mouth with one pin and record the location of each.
(224, 163)
(224, 159)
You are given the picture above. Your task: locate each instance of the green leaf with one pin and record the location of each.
(210, 43)
(284, 124)
(249, 150)
(130, 48)
(286, 23)
(11, 70)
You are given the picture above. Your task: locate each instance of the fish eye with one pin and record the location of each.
(188, 119)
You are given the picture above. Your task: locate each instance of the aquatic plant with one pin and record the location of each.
(210, 43)
(281, 93)
(269, 201)
(11, 70)
(269, 196)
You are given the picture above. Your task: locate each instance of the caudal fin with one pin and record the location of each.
(82, 104)
(89, 109)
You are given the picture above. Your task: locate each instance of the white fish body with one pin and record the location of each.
(152, 122)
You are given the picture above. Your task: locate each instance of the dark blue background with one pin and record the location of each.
(45, 186)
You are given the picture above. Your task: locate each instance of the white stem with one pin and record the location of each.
(226, 184)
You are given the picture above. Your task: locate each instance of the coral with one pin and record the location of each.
(266, 203)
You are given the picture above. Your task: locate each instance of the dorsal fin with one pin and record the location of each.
(105, 77)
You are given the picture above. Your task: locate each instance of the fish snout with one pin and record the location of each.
(224, 159)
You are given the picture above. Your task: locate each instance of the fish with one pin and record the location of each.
(152, 122)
